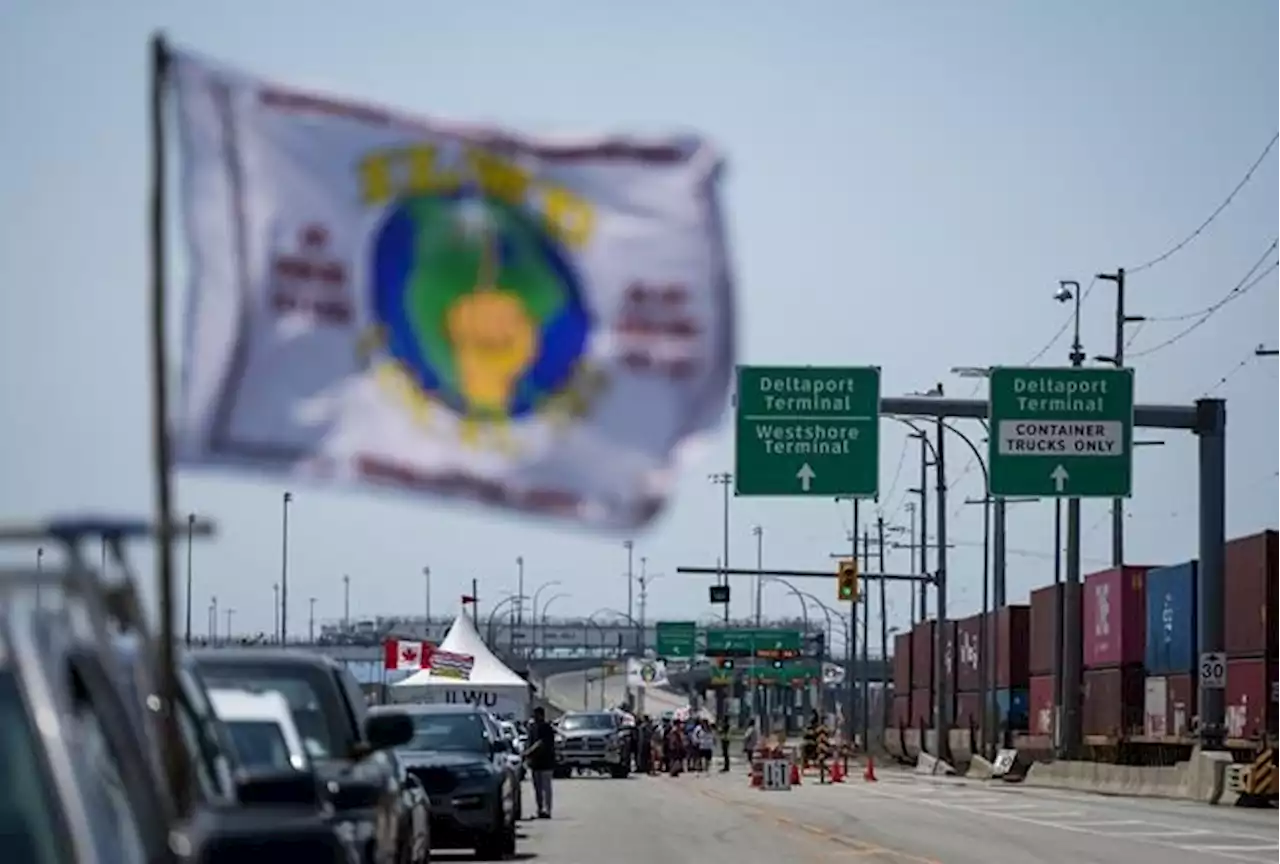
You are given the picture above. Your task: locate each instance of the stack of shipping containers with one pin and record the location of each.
(1044, 633)
(901, 716)
(1170, 656)
(1114, 608)
(922, 673)
(1250, 640)
(1010, 627)
(968, 676)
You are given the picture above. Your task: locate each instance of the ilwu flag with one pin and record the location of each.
(462, 311)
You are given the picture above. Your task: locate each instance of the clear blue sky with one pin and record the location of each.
(907, 184)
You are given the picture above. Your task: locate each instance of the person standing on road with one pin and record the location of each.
(542, 760)
(724, 744)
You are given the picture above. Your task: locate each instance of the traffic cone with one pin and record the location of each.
(837, 771)
(870, 774)
(795, 774)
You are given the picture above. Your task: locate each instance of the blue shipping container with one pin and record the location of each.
(1013, 707)
(1171, 619)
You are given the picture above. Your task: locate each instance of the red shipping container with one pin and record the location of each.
(902, 664)
(1113, 701)
(1248, 693)
(1011, 632)
(901, 716)
(921, 709)
(1115, 617)
(1044, 628)
(968, 711)
(1250, 572)
(1180, 696)
(968, 654)
(922, 654)
(1040, 694)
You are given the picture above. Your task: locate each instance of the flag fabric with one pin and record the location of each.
(453, 310)
(642, 673)
(447, 664)
(400, 654)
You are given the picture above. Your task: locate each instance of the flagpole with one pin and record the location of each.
(176, 767)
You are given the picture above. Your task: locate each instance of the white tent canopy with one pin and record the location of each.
(492, 686)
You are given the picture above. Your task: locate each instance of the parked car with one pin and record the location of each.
(460, 755)
(592, 741)
(514, 757)
(350, 749)
(83, 785)
(261, 730)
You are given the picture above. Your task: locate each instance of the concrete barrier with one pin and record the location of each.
(980, 768)
(933, 767)
(893, 744)
(911, 744)
(961, 743)
(1200, 779)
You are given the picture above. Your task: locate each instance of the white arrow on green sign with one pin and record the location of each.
(1061, 432)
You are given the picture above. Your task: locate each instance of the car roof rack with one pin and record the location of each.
(106, 602)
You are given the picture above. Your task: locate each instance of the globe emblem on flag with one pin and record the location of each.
(478, 303)
(648, 673)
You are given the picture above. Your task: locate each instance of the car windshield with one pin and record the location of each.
(28, 816)
(452, 732)
(319, 735)
(577, 722)
(260, 744)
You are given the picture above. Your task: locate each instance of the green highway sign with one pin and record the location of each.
(1061, 432)
(677, 639)
(808, 430)
(785, 673)
(750, 642)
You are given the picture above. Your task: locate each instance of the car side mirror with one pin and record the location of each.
(277, 788)
(389, 729)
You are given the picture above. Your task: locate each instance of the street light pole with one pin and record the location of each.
(519, 592)
(630, 546)
(725, 479)
(275, 612)
(311, 622)
(346, 602)
(1070, 636)
(426, 585)
(191, 523)
(284, 567)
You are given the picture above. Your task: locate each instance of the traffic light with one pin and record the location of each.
(726, 662)
(777, 664)
(847, 580)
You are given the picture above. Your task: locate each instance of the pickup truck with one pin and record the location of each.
(592, 741)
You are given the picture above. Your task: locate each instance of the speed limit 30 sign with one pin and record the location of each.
(1213, 670)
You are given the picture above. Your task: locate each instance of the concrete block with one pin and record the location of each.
(933, 766)
(980, 769)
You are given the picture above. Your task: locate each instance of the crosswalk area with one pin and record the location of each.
(1217, 833)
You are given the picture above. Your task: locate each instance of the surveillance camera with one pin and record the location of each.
(1063, 294)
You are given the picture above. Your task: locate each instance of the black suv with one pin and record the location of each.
(460, 755)
(373, 810)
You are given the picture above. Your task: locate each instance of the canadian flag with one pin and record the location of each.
(403, 654)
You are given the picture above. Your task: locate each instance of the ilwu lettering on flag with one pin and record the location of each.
(456, 310)
(446, 664)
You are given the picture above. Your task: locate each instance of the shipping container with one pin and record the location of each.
(1012, 633)
(1012, 703)
(901, 716)
(1171, 620)
(968, 711)
(1248, 692)
(922, 655)
(1113, 701)
(1249, 569)
(968, 654)
(1155, 708)
(1044, 628)
(949, 656)
(1115, 617)
(1180, 692)
(1040, 696)
(902, 663)
(921, 709)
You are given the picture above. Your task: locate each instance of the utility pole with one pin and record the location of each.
(284, 566)
(866, 643)
(630, 546)
(911, 542)
(191, 526)
(851, 645)
(756, 702)
(1121, 321)
(884, 629)
(725, 479)
(426, 579)
(1069, 632)
(519, 611)
(943, 707)
(346, 602)
(923, 492)
(311, 622)
(275, 609)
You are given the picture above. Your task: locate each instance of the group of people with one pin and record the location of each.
(670, 746)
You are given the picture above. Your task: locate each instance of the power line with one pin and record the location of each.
(897, 474)
(1212, 307)
(1185, 241)
(1234, 294)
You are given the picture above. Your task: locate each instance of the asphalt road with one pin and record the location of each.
(569, 691)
